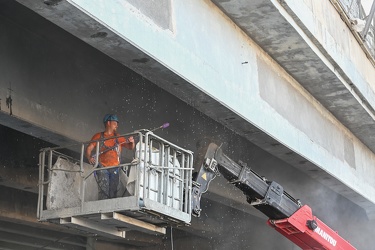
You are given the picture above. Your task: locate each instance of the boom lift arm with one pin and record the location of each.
(286, 214)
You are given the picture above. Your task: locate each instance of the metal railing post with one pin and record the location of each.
(173, 177)
(82, 184)
(161, 174)
(182, 184)
(41, 184)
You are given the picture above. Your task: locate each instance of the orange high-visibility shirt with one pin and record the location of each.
(111, 157)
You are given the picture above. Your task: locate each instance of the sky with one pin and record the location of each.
(367, 5)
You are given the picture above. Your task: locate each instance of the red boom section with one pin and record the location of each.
(308, 232)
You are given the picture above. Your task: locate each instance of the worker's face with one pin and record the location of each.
(113, 125)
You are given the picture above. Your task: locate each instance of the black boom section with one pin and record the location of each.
(266, 196)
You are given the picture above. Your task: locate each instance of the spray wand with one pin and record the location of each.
(165, 125)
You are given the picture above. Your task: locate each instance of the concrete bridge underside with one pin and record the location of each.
(281, 86)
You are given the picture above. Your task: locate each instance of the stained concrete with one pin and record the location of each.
(221, 77)
(62, 88)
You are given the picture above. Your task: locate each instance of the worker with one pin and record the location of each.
(109, 156)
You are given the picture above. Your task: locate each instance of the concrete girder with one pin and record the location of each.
(271, 145)
(51, 133)
(288, 31)
(285, 33)
(37, 238)
(19, 178)
(257, 24)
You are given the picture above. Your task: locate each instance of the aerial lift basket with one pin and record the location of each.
(154, 190)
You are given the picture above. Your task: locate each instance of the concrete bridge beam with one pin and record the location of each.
(199, 54)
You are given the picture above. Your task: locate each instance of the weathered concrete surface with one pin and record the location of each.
(62, 88)
(322, 54)
(250, 88)
(138, 102)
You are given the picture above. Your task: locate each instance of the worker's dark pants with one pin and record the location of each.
(108, 180)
